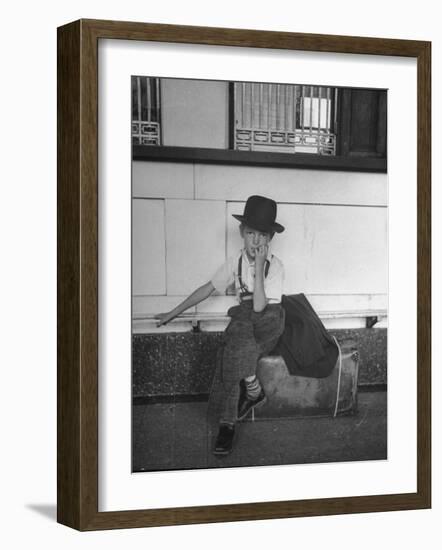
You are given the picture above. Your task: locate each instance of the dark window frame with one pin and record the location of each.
(345, 159)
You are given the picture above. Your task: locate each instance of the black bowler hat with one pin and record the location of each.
(260, 214)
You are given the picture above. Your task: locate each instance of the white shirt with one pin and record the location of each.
(227, 274)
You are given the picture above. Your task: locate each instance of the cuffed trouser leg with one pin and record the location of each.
(248, 336)
(240, 358)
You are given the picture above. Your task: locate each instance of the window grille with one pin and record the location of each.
(146, 111)
(288, 118)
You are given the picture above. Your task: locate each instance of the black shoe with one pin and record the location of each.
(245, 404)
(224, 440)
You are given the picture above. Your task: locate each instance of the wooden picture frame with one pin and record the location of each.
(77, 224)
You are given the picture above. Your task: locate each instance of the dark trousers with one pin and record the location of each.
(249, 336)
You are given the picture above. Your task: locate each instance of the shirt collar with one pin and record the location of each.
(246, 258)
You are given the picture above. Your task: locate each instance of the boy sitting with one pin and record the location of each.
(256, 323)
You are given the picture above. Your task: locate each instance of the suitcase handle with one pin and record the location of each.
(339, 376)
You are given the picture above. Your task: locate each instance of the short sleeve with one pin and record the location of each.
(223, 277)
(273, 284)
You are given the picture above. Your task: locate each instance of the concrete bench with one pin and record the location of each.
(288, 396)
(196, 321)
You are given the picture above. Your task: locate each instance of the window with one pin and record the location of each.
(287, 118)
(146, 111)
(259, 123)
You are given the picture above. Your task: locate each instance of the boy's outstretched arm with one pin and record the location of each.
(195, 298)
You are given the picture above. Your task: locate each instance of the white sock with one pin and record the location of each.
(253, 387)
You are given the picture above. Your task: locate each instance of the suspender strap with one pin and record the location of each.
(241, 284)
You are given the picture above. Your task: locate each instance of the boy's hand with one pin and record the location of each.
(164, 318)
(261, 255)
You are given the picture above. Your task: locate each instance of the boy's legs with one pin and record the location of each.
(240, 357)
(248, 336)
(268, 327)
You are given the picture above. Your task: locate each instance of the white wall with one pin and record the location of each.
(334, 247)
(149, 248)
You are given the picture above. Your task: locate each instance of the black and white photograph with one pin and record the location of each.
(259, 273)
(277, 156)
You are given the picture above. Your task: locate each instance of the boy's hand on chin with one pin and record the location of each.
(261, 255)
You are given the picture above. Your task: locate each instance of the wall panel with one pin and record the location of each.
(290, 185)
(148, 247)
(162, 179)
(195, 243)
(327, 249)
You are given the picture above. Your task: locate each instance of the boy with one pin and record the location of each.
(256, 323)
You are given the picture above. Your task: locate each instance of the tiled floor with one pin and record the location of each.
(179, 436)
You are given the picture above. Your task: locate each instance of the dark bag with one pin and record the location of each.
(306, 346)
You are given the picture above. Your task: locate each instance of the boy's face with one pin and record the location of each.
(253, 238)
